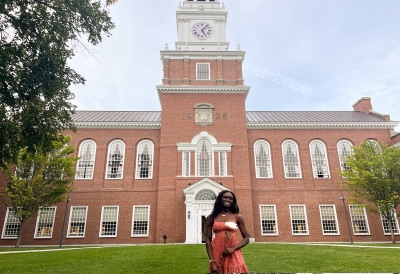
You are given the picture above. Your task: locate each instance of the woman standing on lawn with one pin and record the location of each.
(224, 250)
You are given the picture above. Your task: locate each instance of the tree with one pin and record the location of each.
(373, 175)
(37, 38)
(41, 179)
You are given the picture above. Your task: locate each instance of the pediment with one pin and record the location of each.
(206, 183)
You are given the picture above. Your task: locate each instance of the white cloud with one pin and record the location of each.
(281, 80)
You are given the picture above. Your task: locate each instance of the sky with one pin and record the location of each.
(301, 55)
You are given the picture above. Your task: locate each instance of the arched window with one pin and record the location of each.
(375, 144)
(204, 157)
(262, 159)
(115, 160)
(319, 159)
(85, 164)
(144, 163)
(205, 195)
(291, 159)
(345, 149)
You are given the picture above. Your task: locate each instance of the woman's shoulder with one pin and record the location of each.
(239, 217)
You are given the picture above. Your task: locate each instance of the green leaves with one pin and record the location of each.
(41, 179)
(36, 38)
(373, 176)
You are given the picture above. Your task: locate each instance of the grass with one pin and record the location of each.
(187, 259)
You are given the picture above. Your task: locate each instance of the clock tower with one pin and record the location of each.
(203, 139)
(201, 26)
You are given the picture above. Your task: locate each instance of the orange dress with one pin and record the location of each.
(226, 237)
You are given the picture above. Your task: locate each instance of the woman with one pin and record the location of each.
(224, 250)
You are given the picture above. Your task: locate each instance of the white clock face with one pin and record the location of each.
(202, 30)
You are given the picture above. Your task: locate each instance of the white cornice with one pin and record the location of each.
(203, 89)
(139, 125)
(354, 125)
(209, 55)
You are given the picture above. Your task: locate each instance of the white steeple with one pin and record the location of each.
(201, 26)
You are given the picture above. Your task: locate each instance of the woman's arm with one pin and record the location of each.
(245, 236)
(213, 263)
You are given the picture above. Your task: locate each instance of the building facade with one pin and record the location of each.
(143, 175)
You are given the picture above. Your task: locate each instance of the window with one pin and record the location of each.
(359, 220)
(109, 221)
(319, 159)
(222, 164)
(299, 219)
(11, 225)
(291, 160)
(204, 158)
(45, 222)
(186, 163)
(205, 195)
(77, 222)
(85, 165)
(140, 222)
(144, 164)
(395, 225)
(345, 149)
(115, 160)
(328, 220)
(202, 71)
(269, 225)
(262, 158)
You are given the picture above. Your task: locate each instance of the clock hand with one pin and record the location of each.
(202, 30)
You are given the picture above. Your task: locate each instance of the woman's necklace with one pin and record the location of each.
(225, 214)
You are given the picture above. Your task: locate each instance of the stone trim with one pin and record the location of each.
(118, 125)
(388, 125)
(203, 89)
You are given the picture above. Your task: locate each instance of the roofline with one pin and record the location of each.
(250, 125)
(139, 125)
(319, 125)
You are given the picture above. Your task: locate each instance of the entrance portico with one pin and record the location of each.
(199, 200)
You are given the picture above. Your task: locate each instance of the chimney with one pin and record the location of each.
(363, 105)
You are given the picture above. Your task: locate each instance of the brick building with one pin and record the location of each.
(145, 174)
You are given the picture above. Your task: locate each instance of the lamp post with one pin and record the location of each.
(347, 219)
(65, 215)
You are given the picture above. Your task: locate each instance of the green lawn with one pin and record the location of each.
(165, 259)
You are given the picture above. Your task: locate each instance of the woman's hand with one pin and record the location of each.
(228, 251)
(213, 267)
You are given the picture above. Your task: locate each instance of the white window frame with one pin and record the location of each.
(139, 151)
(325, 165)
(43, 233)
(335, 220)
(133, 221)
(76, 235)
(365, 219)
(276, 231)
(223, 167)
(80, 155)
(211, 164)
(203, 194)
(199, 74)
(108, 171)
(102, 228)
(269, 162)
(307, 232)
(396, 223)
(297, 158)
(7, 220)
(186, 163)
(343, 158)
